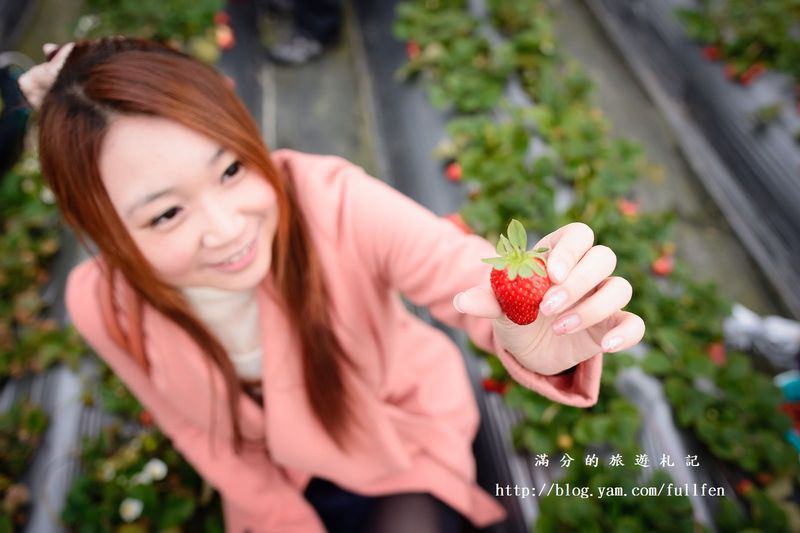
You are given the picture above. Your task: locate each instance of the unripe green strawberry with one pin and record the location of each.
(519, 277)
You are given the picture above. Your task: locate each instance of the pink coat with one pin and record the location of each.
(414, 395)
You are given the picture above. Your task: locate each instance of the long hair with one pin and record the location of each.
(111, 77)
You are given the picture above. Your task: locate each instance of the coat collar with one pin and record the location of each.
(294, 437)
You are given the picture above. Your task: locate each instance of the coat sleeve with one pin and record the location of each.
(257, 497)
(430, 260)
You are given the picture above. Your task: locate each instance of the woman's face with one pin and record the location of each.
(195, 212)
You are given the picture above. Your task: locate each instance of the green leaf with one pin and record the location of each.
(498, 262)
(516, 232)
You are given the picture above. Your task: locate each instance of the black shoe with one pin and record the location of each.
(296, 50)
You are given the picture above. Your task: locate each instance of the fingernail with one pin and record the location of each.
(567, 324)
(553, 302)
(557, 269)
(610, 344)
(455, 303)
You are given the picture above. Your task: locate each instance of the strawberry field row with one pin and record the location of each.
(514, 168)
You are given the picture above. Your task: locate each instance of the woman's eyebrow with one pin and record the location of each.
(158, 194)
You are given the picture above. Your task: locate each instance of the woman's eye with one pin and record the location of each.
(232, 169)
(166, 215)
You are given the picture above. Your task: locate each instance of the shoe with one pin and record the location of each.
(296, 50)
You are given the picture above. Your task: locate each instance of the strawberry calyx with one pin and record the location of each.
(514, 257)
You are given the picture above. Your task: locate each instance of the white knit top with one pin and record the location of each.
(233, 317)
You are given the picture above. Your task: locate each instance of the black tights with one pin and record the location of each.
(344, 512)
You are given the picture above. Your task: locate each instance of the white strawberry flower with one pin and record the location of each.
(130, 509)
(142, 478)
(156, 469)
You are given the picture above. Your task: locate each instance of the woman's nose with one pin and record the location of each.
(225, 224)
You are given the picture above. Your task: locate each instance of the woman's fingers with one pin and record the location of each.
(58, 60)
(36, 81)
(595, 266)
(627, 330)
(613, 294)
(47, 48)
(478, 301)
(566, 246)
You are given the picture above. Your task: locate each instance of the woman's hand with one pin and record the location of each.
(581, 273)
(36, 81)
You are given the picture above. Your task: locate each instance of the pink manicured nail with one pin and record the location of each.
(611, 343)
(567, 324)
(455, 303)
(558, 269)
(553, 302)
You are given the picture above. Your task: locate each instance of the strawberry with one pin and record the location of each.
(412, 49)
(519, 279)
(731, 72)
(145, 418)
(225, 37)
(753, 72)
(765, 478)
(716, 352)
(494, 385)
(221, 17)
(663, 266)
(712, 53)
(744, 486)
(627, 207)
(453, 171)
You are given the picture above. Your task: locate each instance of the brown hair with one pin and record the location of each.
(109, 77)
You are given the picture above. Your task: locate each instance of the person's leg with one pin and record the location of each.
(340, 510)
(418, 512)
(320, 20)
(317, 25)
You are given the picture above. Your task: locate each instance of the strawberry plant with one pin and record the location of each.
(751, 35)
(200, 28)
(21, 430)
(139, 483)
(516, 163)
(470, 74)
(29, 340)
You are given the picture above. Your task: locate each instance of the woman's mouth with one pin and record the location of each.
(239, 260)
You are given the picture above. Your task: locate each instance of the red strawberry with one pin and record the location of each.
(744, 486)
(225, 37)
(753, 72)
(627, 207)
(716, 352)
(765, 478)
(494, 385)
(453, 171)
(731, 72)
(458, 220)
(519, 279)
(221, 17)
(712, 53)
(664, 265)
(412, 49)
(145, 418)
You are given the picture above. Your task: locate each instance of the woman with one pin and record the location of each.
(223, 266)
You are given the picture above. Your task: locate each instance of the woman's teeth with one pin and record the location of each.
(238, 256)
